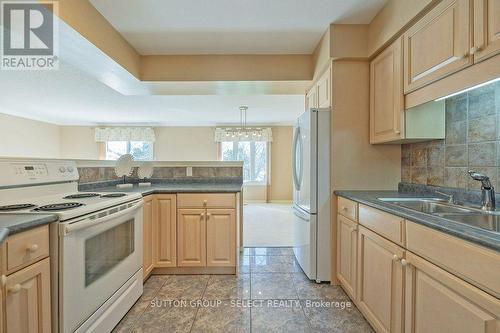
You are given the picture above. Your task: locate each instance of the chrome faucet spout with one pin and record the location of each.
(487, 190)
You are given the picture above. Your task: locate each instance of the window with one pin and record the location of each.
(254, 157)
(141, 150)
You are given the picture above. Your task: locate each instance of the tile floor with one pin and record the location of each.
(270, 295)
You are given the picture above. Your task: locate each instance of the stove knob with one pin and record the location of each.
(62, 169)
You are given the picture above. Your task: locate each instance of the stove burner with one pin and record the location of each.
(59, 206)
(10, 208)
(113, 195)
(81, 195)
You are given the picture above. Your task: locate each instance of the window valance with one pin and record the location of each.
(232, 134)
(125, 134)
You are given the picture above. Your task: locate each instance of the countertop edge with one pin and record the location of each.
(25, 226)
(459, 230)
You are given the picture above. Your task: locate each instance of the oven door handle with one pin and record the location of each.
(87, 223)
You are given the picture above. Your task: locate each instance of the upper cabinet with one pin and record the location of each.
(386, 95)
(324, 90)
(312, 98)
(439, 44)
(486, 29)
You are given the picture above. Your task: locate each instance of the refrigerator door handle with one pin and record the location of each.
(296, 178)
(302, 216)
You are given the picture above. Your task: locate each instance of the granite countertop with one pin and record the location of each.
(476, 235)
(175, 188)
(12, 223)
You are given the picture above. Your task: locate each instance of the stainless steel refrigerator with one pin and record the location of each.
(312, 193)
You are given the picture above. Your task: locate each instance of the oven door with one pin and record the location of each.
(98, 254)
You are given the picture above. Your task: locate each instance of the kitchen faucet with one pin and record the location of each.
(488, 191)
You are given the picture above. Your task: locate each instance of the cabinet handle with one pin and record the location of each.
(202, 215)
(395, 257)
(15, 288)
(344, 208)
(32, 248)
(404, 262)
(397, 131)
(3, 280)
(475, 49)
(205, 202)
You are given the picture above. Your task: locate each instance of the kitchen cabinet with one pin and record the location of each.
(191, 241)
(437, 301)
(438, 44)
(221, 237)
(165, 230)
(312, 98)
(486, 29)
(380, 281)
(324, 90)
(347, 240)
(147, 235)
(386, 95)
(27, 299)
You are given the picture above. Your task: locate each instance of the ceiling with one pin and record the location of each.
(231, 26)
(70, 96)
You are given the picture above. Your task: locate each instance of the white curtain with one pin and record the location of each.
(125, 134)
(247, 134)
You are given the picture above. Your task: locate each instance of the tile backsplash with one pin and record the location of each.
(106, 174)
(472, 142)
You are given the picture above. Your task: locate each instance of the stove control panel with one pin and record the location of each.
(32, 172)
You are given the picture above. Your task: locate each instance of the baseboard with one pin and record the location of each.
(194, 270)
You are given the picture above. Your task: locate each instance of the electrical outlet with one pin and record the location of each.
(189, 171)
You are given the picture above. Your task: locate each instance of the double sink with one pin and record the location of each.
(463, 214)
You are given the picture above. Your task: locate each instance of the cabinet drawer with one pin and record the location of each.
(27, 247)
(212, 200)
(477, 265)
(348, 208)
(386, 225)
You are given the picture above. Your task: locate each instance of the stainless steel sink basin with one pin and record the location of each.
(435, 206)
(486, 221)
(427, 205)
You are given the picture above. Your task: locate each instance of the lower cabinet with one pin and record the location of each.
(347, 242)
(147, 236)
(191, 240)
(221, 237)
(437, 301)
(27, 299)
(165, 230)
(380, 281)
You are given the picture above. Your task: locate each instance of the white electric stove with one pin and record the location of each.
(96, 247)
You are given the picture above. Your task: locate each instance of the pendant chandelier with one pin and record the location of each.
(243, 132)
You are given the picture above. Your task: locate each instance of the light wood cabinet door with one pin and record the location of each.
(312, 98)
(324, 90)
(437, 301)
(165, 230)
(191, 238)
(486, 29)
(27, 299)
(347, 241)
(437, 45)
(386, 95)
(147, 236)
(221, 237)
(380, 281)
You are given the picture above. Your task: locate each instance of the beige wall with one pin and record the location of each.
(77, 142)
(185, 144)
(20, 137)
(281, 164)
